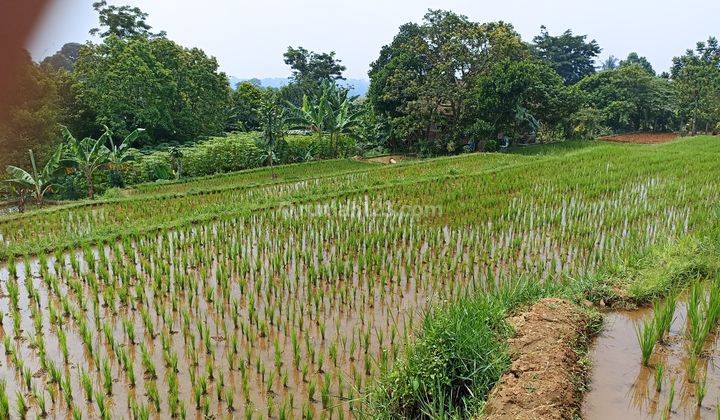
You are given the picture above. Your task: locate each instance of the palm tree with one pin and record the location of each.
(87, 155)
(36, 183)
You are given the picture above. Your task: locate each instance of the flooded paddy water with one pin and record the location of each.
(286, 314)
(622, 388)
(292, 312)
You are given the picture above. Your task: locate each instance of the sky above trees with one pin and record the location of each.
(249, 37)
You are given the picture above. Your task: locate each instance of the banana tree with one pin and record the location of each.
(118, 154)
(87, 155)
(345, 121)
(35, 183)
(312, 115)
(331, 112)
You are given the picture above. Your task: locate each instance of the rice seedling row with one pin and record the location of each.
(293, 311)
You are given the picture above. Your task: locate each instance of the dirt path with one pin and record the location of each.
(641, 138)
(543, 380)
(389, 159)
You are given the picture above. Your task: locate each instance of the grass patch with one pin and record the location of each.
(457, 358)
(672, 266)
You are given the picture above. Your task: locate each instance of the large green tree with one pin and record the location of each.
(696, 78)
(636, 59)
(122, 21)
(629, 98)
(176, 93)
(313, 67)
(518, 97)
(31, 110)
(310, 70)
(64, 59)
(423, 80)
(570, 55)
(245, 105)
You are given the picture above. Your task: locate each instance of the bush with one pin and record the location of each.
(234, 152)
(222, 154)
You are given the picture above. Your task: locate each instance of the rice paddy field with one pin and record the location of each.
(289, 293)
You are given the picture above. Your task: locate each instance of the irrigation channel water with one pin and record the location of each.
(622, 388)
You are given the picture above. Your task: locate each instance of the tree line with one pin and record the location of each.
(444, 85)
(449, 82)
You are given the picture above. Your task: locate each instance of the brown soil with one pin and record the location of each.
(387, 159)
(542, 380)
(641, 138)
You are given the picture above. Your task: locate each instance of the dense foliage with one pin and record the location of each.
(233, 152)
(445, 85)
(31, 117)
(424, 80)
(570, 55)
(449, 84)
(175, 93)
(629, 99)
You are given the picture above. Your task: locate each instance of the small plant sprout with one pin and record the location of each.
(87, 385)
(107, 377)
(22, 407)
(692, 367)
(701, 391)
(659, 370)
(671, 398)
(230, 399)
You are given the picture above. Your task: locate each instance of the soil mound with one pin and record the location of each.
(542, 382)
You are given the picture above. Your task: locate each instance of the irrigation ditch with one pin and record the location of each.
(641, 352)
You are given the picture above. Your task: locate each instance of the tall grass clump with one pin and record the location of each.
(459, 355)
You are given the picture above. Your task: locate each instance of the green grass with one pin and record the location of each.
(250, 177)
(91, 222)
(666, 267)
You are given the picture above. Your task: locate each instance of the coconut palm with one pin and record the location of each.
(87, 155)
(35, 183)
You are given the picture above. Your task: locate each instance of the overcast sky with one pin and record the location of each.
(249, 37)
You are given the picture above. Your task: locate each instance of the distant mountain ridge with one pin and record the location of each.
(358, 87)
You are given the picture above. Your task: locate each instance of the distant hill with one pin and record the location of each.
(358, 87)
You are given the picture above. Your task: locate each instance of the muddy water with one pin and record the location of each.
(621, 388)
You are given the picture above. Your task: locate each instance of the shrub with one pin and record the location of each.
(234, 152)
